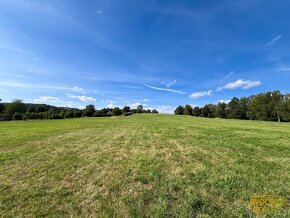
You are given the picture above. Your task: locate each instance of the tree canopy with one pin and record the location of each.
(17, 110)
(269, 106)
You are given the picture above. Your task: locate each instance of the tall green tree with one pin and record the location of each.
(276, 105)
(1, 106)
(266, 106)
(126, 109)
(212, 110)
(286, 108)
(116, 111)
(205, 111)
(89, 110)
(196, 111)
(242, 108)
(139, 109)
(232, 108)
(272, 106)
(221, 110)
(179, 110)
(16, 106)
(154, 111)
(187, 110)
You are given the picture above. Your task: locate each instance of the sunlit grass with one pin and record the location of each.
(141, 166)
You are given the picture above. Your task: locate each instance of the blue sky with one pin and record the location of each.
(157, 53)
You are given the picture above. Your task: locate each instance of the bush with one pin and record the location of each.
(30, 116)
(126, 109)
(41, 116)
(17, 116)
(77, 114)
(187, 110)
(127, 113)
(179, 110)
(116, 111)
(16, 106)
(5, 117)
(18, 110)
(69, 114)
(196, 111)
(139, 109)
(154, 111)
(89, 111)
(1, 107)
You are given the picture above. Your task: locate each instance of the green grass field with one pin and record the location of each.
(141, 166)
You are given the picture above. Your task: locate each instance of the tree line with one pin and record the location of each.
(17, 110)
(268, 106)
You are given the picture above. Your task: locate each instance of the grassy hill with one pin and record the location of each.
(142, 165)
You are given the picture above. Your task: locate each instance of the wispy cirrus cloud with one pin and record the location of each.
(11, 83)
(17, 84)
(165, 89)
(274, 40)
(168, 85)
(283, 69)
(46, 99)
(229, 74)
(82, 98)
(99, 12)
(130, 87)
(77, 89)
(243, 84)
(196, 95)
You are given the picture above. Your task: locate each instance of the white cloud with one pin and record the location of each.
(131, 87)
(82, 98)
(77, 90)
(99, 12)
(196, 95)
(165, 109)
(135, 105)
(171, 83)
(145, 99)
(223, 101)
(167, 90)
(229, 74)
(162, 109)
(244, 84)
(65, 105)
(274, 40)
(11, 83)
(110, 104)
(109, 101)
(121, 104)
(283, 69)
(46, 99)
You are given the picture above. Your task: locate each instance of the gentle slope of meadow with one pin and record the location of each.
(142, 165)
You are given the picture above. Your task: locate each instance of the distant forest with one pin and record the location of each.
(17, 110)
(269, 106)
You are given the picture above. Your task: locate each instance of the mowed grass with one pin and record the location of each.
(141, 166)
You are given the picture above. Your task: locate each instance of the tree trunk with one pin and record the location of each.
(278, 118)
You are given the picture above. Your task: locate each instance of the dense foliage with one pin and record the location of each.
(17, 110)
(269, 106)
